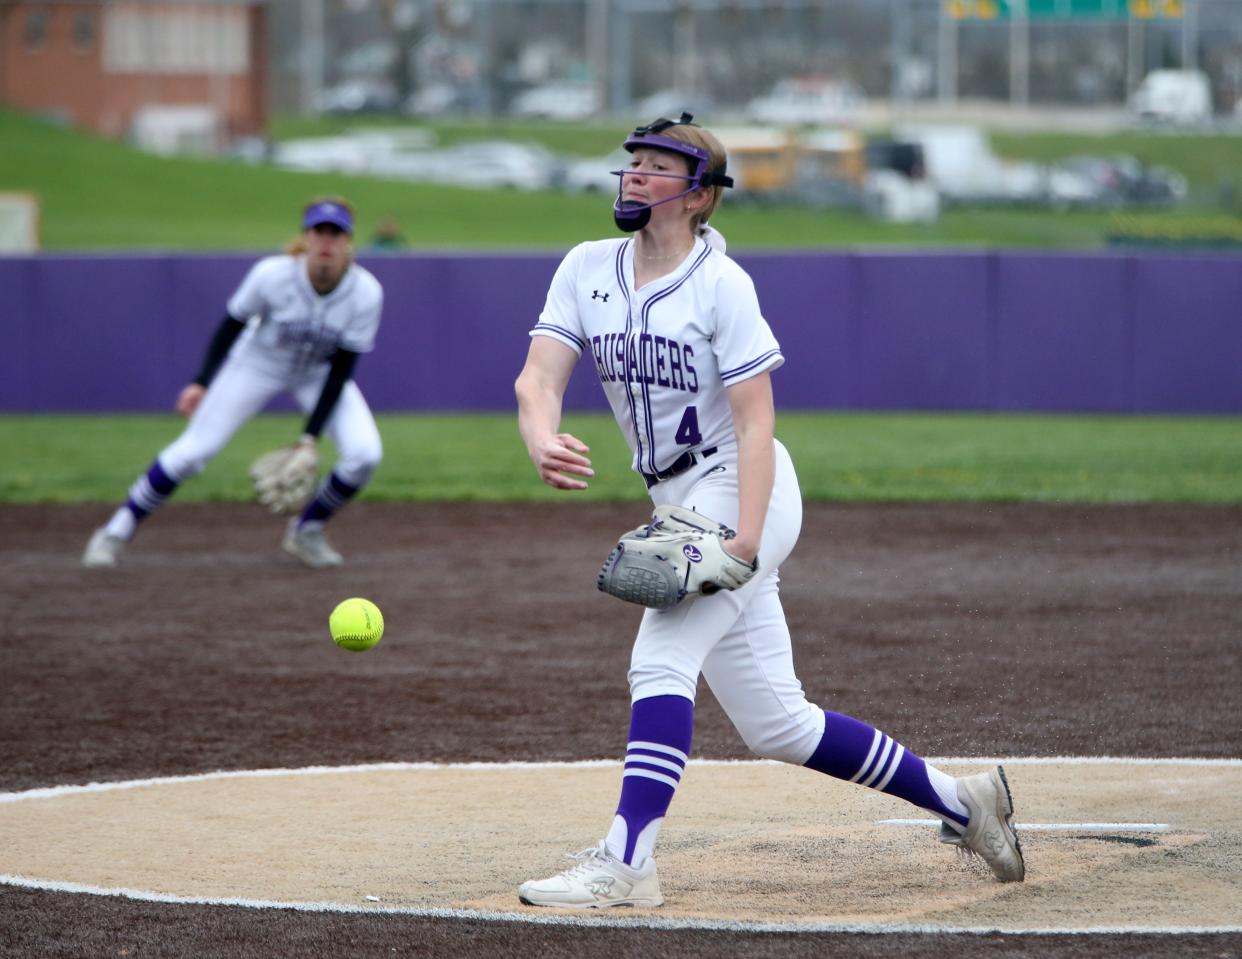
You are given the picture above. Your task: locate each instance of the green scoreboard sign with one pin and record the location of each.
(1064, 9)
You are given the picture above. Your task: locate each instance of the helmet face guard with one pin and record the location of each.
(631, 215)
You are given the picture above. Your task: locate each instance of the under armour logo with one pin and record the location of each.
(600, 887)
(597, 295)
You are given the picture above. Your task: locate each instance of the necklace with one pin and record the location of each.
(672, 256)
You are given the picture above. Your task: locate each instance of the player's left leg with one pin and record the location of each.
(751, 673)
(236, 395)
(351, 427)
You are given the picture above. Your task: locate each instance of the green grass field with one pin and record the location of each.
(102, 195)
(840, 457)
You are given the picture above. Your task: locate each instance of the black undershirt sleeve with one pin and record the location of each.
(223, 339)
(340, 370)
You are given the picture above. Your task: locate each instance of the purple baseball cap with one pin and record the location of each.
(328, 212)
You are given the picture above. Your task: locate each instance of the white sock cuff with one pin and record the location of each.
(946, 788)
(615, 841)
(644, 848)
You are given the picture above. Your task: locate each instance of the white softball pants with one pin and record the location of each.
(738, 640)
(239, 392)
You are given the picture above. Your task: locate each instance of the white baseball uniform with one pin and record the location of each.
(292, 333)
(665, 355)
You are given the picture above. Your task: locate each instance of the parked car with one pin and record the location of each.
(1120, 180)
(964, 169)
(1181, 97)
(1160, 185)
(596, 174)
(438, 100)
(415, 167)
(672, 103)
(901, 156)
(557, 101)
(400, 153)
(359, 96)
(896, 198)
(1073, 186)
(896, 187)
(322, 155)
(491, 164)
(799, 102)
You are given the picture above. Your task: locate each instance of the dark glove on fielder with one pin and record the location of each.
(285, 478)
(680, 553)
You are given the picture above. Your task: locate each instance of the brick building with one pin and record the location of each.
(149, 70)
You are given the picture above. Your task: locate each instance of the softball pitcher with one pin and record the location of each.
(685, 356)
(297, 323)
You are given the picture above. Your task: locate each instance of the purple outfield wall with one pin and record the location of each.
(1114, 332)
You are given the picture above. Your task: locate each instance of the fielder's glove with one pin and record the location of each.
(285, 478)
(679, 553)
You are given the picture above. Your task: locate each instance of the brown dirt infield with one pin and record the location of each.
(984, 630)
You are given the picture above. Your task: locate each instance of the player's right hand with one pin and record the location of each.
(188, 400)
(561, 454)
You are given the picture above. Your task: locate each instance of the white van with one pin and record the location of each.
(1173, 96)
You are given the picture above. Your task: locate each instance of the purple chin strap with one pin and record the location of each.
(632, 215)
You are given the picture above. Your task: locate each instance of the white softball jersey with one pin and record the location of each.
(665, 353)
(291, 334)
(297, 330)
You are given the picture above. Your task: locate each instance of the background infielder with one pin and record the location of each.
(314, 311)
(684, 355)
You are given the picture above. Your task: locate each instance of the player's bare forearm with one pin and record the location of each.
(558, 457)
(754, 421)
(756, 469)
(539, 412)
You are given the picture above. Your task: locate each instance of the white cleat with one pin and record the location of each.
(103, 550)
(308, 544)
(598, 881)
(990, 833)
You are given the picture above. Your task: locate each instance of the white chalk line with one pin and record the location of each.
(612, 922)
(53, 791)
(593, 921)
(1050, 826)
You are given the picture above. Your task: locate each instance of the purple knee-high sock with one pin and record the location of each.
(858, 753)
(149, 491)
(660, 732)
(332, 495)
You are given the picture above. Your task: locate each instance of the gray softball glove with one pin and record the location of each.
(285, 478)
(679, 554)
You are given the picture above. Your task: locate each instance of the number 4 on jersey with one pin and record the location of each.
(688, 431)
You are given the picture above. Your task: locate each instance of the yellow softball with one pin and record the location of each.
(356, 624)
